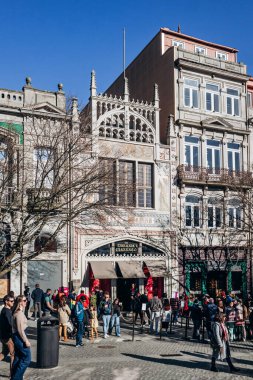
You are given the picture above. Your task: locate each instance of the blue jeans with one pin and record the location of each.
(22, 358)
(106, 323)
(174, 316)
(79, 334)
(115, 319)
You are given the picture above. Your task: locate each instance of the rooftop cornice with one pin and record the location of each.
(198, 40)
(201, 67)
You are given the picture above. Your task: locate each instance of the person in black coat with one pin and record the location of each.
(38, 300)
(196, 316)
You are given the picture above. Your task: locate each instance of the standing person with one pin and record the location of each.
(63, 315)
(22, 356)
(79, 314)
(38, 298)
(240, 321)
(94, 322)
(116, 317)
(6, 322)
(175, 307)
(99, 295)
(144, 301)
(210, 313)
(105, 309)
(48, 308)
(219, 343)
(155, 307)
(93, 298)
(196, 316)
(230, 320)
(136, 307)
(28, 300)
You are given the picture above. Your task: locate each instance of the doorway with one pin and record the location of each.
(124, 291)
(216, 281)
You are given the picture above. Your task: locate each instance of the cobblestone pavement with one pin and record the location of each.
(147, 357)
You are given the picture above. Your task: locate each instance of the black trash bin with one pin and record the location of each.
(47, 342)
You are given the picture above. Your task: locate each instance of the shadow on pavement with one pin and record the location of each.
(189, 364)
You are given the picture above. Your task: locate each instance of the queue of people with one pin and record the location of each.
(223, 318)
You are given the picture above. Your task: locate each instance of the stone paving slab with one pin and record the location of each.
(147, 357)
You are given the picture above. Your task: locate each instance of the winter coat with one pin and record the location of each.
(63, 314)
(218, 341)
(212, 310)
(196, 312)
(155, 304)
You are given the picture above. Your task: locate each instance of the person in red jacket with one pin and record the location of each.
(86, 301)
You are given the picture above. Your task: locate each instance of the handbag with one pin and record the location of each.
(70, 327)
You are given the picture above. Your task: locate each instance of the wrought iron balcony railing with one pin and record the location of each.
(189, 173)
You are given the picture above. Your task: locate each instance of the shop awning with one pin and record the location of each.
(103, 269)
(131, 269)
(157, 268)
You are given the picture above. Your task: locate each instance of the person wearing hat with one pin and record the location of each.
(196, 316)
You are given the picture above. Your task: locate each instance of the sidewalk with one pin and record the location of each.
(147, 357)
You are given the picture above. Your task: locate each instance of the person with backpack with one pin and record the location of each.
(79, 315)
(105, 309)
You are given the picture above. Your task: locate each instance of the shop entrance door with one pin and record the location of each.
(124, 291)
(216, 281)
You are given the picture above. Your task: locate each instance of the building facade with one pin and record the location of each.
(205, 97)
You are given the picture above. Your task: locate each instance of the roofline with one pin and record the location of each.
(198, 40)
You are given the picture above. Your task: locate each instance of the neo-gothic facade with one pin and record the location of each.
(184, 155)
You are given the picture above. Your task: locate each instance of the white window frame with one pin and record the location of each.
(191, 89)
(221, 55)
(200, 50)
(213, 169)
(249, 99)
(214, 204)
(177, 43)
(194, 207)
(233, 98)
(191, 146)
(213, 93)
(234, 212)
(234, 151)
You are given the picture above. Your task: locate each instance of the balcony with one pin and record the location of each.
(42, 199)
(225, 177)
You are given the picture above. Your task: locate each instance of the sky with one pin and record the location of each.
(61, 41)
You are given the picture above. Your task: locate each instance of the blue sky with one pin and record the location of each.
(63, 40)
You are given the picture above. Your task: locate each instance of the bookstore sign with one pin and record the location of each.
(126, 248)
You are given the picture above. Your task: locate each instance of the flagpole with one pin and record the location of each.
(124, 52)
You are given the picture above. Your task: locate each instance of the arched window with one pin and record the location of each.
(234, 213)
(192, 211)
(44, 242)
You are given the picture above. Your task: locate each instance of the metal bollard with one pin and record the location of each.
(133, 326)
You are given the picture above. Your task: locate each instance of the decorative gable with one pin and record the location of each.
(216, 122)
(46, 107)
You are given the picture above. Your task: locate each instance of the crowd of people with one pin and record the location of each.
(224, 319)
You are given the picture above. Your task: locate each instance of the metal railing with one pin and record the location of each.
(192, 173)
